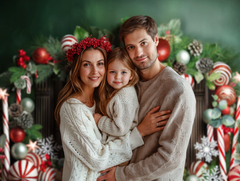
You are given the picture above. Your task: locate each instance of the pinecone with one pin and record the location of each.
(25, 120)
(195, 48)
(179, 67)
(15, 110)
(204, 65)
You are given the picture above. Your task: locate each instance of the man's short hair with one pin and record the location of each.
(138, 22)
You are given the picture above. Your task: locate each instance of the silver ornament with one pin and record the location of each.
(27, 104)
(19, 151)
(192, 178)
(183, 57)
(20, 83)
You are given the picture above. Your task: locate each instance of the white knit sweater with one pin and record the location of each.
(85, 155)
(122, 113)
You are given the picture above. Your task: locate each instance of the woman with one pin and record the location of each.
(85, 155)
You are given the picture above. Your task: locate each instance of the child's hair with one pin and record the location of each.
(122, 55)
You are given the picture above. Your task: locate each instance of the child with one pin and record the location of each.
(121, 107)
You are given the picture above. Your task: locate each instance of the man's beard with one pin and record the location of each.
(145, 65)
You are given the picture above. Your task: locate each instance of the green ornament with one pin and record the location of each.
(207, 115)
(19, 151)
(20, 83)
(227, 120)
(222, 104)
(27, 104)
(192, 178)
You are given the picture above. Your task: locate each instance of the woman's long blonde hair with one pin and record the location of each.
(74, 83)
(107, 93)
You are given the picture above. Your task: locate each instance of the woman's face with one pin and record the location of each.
(92, 68)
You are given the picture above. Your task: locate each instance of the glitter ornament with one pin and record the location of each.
(17, 134)
(227, 93)
(183, 57)
(225, 71)
(163, 49)
(19, 151)
(197, 168)
(67, 41)
(23, 170)
(48, 175)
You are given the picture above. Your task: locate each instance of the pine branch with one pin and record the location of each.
(5, 79)
(44, 71)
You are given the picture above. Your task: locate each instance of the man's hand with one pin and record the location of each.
(97, 117)
(109, 176)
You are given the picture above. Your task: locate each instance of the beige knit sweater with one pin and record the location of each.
(122, 113)
(162, 157)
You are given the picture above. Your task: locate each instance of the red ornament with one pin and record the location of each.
(227, 93)
(226, 111)
(40, 55)
(163, 49)
(17, 134)
(227, 142)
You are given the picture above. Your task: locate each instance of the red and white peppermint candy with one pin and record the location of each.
(23, 170)
(48, 175)
(197, 168)
(67, 41)
(28, 83)
(35, 159)
(189, 78)
(225, 71)
(234, 174)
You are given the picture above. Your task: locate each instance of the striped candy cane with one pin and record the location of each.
(28, 88)
(235, 135)
(221, 149)
(210, 133)
(3, 96)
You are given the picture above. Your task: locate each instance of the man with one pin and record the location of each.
(162, 157)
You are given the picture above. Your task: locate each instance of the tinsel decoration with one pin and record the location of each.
(204, 65)
(179, 67)
(15, 110)
(195, 48)
(25, 120)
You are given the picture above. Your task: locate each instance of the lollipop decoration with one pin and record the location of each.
(234, 174)
(35, 159)
(3, 96)
(67, 41)
(18, 96)
(197, 168)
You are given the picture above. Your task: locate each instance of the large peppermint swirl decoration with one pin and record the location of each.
(225, 71)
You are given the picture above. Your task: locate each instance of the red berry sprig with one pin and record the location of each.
(22, 58)
(227, 130)
(46, 164)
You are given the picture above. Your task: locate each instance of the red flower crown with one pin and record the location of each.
(77, 48)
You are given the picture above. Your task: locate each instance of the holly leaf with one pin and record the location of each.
(198, 77)
(36, 127)
(214, 76)
(17, 72)
(3, 139)
(26, 139)
(36, 134)
(210, 85)
(80, 33)
(215, 122)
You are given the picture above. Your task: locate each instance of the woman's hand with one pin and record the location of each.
(97, 117)
(154, 121)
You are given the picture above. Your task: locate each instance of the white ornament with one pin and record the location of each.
(212, 174)
(206, 149)
(67, 41)
(183, 57)
(48, 146)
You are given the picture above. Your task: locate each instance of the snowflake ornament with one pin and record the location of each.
(48, 146)
(206, 149)
(212, 174)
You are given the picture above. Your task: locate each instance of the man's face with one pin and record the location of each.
(141, 48)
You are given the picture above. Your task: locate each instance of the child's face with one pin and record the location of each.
(118, 75)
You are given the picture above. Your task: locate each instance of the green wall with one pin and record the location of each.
(214, 21)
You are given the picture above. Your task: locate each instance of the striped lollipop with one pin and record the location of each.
(234, 174)
(23, 170)
(48, 175)
(67, 41)
(225, 71)
(197, 168)
(35, 159)
(189, 78)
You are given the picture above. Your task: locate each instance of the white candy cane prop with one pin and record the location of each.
(235, 135)
(28, 88)
(3, 96)
(221, 149)
(210, 133)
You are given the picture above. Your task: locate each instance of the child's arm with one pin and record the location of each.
(97, 117)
